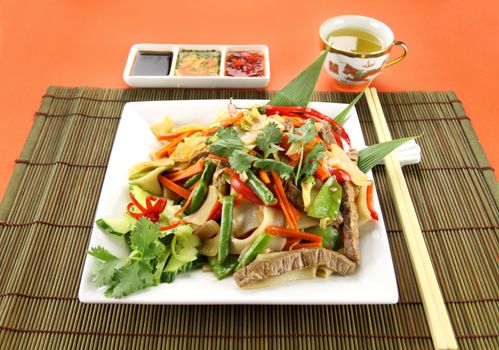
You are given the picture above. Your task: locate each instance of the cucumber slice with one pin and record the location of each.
(114, 226)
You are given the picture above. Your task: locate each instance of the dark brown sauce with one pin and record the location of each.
(152, 63)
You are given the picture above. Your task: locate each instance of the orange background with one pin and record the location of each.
(453, 45)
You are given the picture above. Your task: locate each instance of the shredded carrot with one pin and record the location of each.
(290, 243)
(229, 171)
(321, 173)
(182, 208)
(309, 146)
(264, 176)
(210, 131)
(188, 172)
(307, 245)
(233, 120)
(297, 122)
(287, 208)
(168, 149)
(214, 156)
(286, 232)
(182, 192)
(295, 212)
(174, 135)
(281, 202)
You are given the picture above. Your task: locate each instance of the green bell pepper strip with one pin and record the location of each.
(260, 189)
(225, 228)
(328, 200)
(199, 193)
(330, 236)
(256, 248)
(191, 181)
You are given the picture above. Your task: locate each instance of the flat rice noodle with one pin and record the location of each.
(306, 221)
(246, 217)
(270, 217)
(339, 159)
(361, 202)
(210, 246)
(150, 181)
(150, 165)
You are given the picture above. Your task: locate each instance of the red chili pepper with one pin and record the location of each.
(369, 199)
(341, 175)
(243, 189)
(150, 211)
(307, 112)
(166, 228)
(216, 212)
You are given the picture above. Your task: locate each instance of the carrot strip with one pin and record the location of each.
(290, 243)
(233, 120)
(321, 173)
(280, 200)
(297, 122)
(285, 205)
(214, 156)
(286, 232)
(182, 208)
(182, 192)
(174, 135)
(307, 245)
(186, 173)
(168, 149)
(264, 176)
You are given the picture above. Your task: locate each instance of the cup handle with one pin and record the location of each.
(401, 57)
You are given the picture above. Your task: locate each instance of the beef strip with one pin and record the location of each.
(326, 133)
(350, 216)
(201, 154)
(294, 194)
(294, 260)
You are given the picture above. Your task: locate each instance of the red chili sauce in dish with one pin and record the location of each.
(244, 64)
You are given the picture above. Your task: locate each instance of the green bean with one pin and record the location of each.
(199, 193)
(256, 248)
(225, 228)
(260, 189)
(191, 181)
(223, 270)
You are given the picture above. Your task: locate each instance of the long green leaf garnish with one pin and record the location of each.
(373, 155)
(299, 91)
(342, 117)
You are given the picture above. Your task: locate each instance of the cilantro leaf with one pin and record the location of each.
(241, 161)
(104, 271)
(304, 134)
(130, 278)
(311, 161)
(284, 170)
(228, 141)
(268, 139)
(144, 234)
(101, 253)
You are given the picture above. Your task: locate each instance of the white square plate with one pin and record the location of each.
(373, 282)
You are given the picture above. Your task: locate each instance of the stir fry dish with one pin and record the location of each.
(267, 195)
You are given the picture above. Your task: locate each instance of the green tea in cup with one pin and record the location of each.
(359, 49)
(355, 40)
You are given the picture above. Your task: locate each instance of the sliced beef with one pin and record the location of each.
(294, 194)
(326, 133)
(350, 216)
(295, 260)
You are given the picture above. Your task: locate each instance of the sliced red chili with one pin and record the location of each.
(216, 212)
(369, 199)
(341, 175)
(243, 189)
(150, 211)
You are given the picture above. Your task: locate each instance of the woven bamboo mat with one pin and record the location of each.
(47, 213)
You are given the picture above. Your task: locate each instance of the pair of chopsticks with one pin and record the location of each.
(433, 303)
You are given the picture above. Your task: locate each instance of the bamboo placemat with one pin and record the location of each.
(47, 213)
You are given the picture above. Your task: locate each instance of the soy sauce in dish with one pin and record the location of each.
(152, 63)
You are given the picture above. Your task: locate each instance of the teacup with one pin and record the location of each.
(354, 69)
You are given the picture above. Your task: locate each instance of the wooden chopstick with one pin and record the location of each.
(433, 303)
